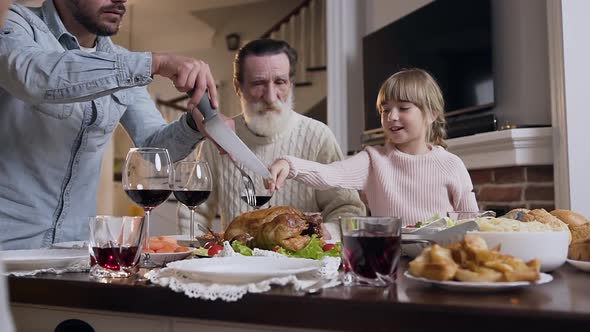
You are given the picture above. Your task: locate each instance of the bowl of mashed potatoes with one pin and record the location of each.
(527, 240)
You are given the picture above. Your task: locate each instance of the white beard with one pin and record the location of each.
(268, 120)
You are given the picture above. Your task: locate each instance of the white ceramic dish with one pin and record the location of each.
(242, 269)
(430, 228)
(37, 259)
(480, 286)
(581, 265)
(549, 247)
(70, 245)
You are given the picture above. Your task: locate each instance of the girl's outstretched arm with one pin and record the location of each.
(279, 171)
(351, 173)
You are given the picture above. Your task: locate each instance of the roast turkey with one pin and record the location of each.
(283, 226)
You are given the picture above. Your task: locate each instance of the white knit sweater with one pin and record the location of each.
(305, 138)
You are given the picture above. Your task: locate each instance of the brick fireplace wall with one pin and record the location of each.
(506, 188)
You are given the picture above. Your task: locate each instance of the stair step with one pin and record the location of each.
(318, 68)
(307, 83)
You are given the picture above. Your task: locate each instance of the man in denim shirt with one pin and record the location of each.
(6, 323)
(64, 87)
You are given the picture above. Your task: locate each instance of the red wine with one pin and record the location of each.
(115, 258)
(192, 198)
(260, 200)
(148, 198)
(370, 255)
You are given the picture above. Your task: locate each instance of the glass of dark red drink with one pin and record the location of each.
(371, 249)
(115, 245)
(192, 186)
(261, 194)
(148, 177)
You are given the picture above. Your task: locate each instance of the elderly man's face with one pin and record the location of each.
(266, 93)
(100, 17)
(4, 4)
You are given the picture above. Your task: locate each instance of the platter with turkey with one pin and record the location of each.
(263, 244)
(282, 229)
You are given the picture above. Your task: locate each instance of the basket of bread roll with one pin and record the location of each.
(579, 248)
(579, 226)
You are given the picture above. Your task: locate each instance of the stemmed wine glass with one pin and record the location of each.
(192, 186)
(263, 195)
(147, 179)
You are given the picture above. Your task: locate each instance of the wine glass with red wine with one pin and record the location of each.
(192, 186)
(147, 179)
(262, 194)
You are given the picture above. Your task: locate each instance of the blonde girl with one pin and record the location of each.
(412, 176)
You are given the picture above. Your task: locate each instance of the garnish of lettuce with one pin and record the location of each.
(240, 248)
(450, 222)
(201, 252)
(313, 250)
(427, 221)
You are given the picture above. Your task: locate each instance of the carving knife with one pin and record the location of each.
(228, 140)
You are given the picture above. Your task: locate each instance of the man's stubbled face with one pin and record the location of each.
(100, 17)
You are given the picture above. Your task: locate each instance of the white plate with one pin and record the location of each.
(582, 265)
(242, 269)
(37, 259)
(70, 245)
(481, 286)
(430, 228)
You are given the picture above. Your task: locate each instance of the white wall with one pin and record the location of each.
(344, 30)
(521, 62)
(379, 13)
(576, 52)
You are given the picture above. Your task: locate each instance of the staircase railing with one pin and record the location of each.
(305, 29)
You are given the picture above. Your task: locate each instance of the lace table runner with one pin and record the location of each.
(187, 284)
(79, 266)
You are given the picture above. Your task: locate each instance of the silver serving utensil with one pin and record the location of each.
(206, 229)
(446, 236)
(194, 243)
(454, 234)
(249, 186)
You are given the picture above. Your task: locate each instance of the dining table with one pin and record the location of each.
(408, 305)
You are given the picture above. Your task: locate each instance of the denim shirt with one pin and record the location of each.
(58, 109)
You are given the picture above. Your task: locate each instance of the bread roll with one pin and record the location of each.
(544, 217)
(580, 232)
(570, 217)
(579, 250)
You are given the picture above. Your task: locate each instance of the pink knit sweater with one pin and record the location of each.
(413, 187)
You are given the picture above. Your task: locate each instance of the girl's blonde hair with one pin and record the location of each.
(419, 88)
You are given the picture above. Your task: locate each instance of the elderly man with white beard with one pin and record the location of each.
(264, 70)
